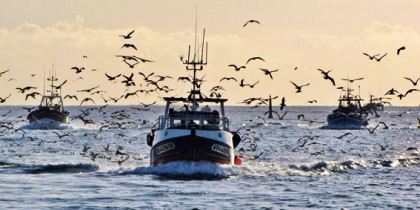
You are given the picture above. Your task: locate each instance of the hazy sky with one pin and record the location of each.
(308, 35)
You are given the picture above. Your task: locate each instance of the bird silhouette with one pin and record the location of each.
(268, 72)
(128, 36)
(1, 73)
(237, 68)
(61, 85)
(410, 91)
(88, 90)
(251, 21)
(71, 97)
(78, 70)
(352, 80)
(383, 148)
(385, 125)
(33, 95)
(283, 103)
(22, 90)
(326, 76)
(370, 56)
(391, 92)
(228, 78)
(412, 81)
(254, 58)
(129, 46)
(399, 49)
(380, 58)
(110, 78)
(60, 136)
(86, 100)
(242, 84)
(2, 100)
(298, 88)
(371, 131)
(146, 77)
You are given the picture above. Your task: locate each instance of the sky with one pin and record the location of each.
(38, 36)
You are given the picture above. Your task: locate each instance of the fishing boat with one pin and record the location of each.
(349, 114)
(375, 105)
(51, 109)
(190, 130)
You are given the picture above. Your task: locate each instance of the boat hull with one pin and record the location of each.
(172, 145)
(38, 115)
(346, 122)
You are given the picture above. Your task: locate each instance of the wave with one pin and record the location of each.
(346, 166)
(184, 170)
(62, 168)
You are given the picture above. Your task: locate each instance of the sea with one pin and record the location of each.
(287, 163)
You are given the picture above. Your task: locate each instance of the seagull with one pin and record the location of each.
(391, 92)
(33, 94)
(346, 134)
(410, 91)
(251, 86)
(370, 56)
(251, 21)
(326, 76)
(78, 70)
(298, 88)
(399, 49)
(146, 77)
(1, 73)
(352, 80)
(283, 103)
(268, 72)
(129, 45)
(88, 90)
(86, 100)
(2, 100)
(412, 81)
(128, 36)
(383, 148)
(373, 130)
(255, 58)
(22, 90)
(385, 126)
(71, 97)
(59, 86)
(110, 78)
(380, 58)
(62, 136)
(228, 78)
(237, 68)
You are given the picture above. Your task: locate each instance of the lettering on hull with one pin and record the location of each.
(165, 148)
(221, 149)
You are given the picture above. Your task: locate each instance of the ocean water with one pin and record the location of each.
(40, 170)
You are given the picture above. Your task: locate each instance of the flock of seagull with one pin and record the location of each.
(153, 83)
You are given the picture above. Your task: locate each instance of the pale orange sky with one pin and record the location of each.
(304, 34)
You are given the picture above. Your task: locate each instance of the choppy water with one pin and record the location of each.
(40, 170)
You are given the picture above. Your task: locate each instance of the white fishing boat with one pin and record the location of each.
(190, 130)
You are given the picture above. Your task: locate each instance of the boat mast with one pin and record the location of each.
(196, 63)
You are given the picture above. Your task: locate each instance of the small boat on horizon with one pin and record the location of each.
(192, 131)
(50, 111)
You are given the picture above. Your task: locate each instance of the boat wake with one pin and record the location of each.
(46, 124)
(184, 170)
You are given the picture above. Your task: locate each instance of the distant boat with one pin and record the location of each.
(51, 109)
(349, 114)
(193, 131)
(375, 105)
